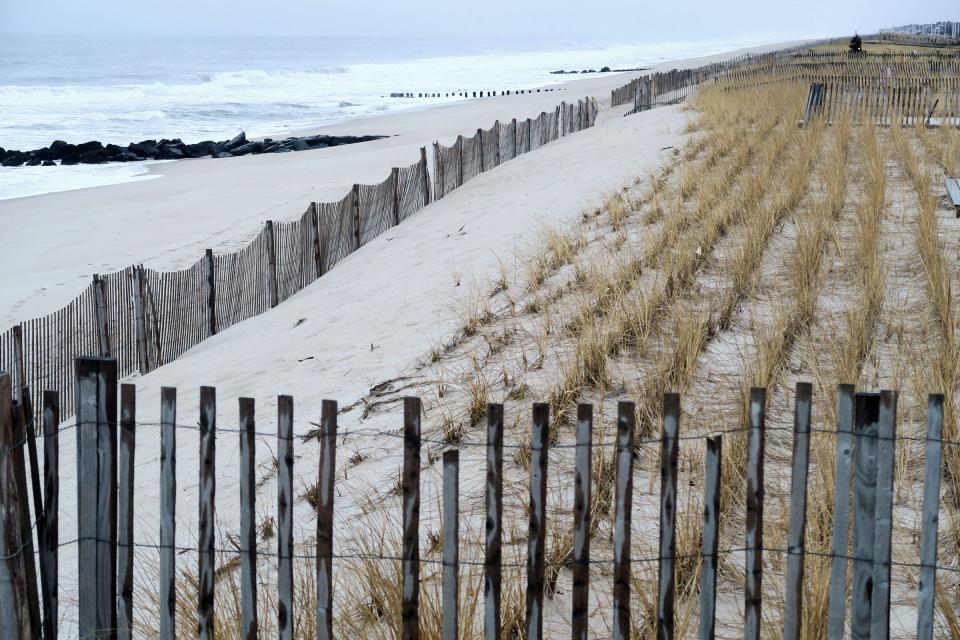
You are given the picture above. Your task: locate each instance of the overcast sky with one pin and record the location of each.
(586, 20)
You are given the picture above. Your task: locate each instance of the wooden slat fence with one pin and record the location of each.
(468, 157)
(865, 436)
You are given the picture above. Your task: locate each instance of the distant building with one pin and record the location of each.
(943, 28)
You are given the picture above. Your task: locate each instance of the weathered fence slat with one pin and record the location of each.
(272, 283)
(536, 540)
(205, 534)
(669, 453)
(867, 418)
(623, 508)
(168, 507)
(97, 497)
(926, 590)
(494, 523)
(125, 501)
(248, 526)
(793, 597)
(411, 519)
(451, 543)
(328, 470)
(883, 516)
(710, 537)
(581, 523)
(29, 435)
(285, 517)
(753, 571)
(841, 512)
(14, 605)
(49, 566)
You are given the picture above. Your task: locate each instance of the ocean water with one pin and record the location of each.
(123, 90)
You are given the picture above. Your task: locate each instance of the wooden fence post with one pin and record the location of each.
(841, 512)
(248, 525)
(28, 433)
(623, 501)
(210, 274)
(513, 129)
(328, 471)
(711, 536)
(285, 517)
(451, 542)
(669, 453)
(19, 366)
(480, 147)
(753, 594)
(395, 180)
(496, 128)
(140, 321)
(494, 523)
(102, 319)
(168, 506)
(411, 519)
(315, 234)
(426, 176)
(15, 614)
(271, 264)
(459, 160)
(883, 518)
(582, 496)
(125, 502)
(536, 540)
(50, 543)
(793, 596)
(864, 509)
(97, 498)
(926, 590)
(205, 533)
(355, 190)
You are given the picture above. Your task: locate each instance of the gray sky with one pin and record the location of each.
(588, 20)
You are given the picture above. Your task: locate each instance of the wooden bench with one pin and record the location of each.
(953, 188)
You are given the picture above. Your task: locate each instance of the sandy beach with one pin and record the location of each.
(166, 223)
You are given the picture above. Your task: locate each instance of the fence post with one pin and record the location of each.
(140, 320)
(28, 432)
(168, 505)
(248, 526)
(411, 518)
(711, 536)
(211, 291)
(753, 571)
(100, 311)
(395, 178)
(864, 509)
(285, 517)
(496, 127)
(451, 541)
(315, 234)
(205, 534)
(513, 129)
(97, 497)
(623, 507)
(536, 540)
(494, 523)
(480, 147)
(793, 596)
(669, 454)
(328, 470)
(841, 512)
(51, 500)
(356, 215)
(271, 265)
(19, 369)
(529, 134)
(14, 603)
(459, 160)
(926, 590)
(581, 522)
(886, 455)
(128, 419)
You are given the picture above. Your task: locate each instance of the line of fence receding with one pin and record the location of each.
(487, 148)
(145, 318)
(866, 451)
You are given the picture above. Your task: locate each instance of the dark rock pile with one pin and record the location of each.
(95, 152)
